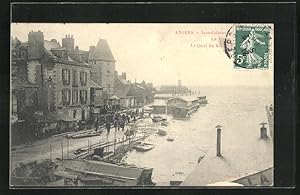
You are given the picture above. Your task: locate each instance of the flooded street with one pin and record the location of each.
(197, 136)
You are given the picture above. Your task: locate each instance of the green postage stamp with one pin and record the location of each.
(252, 47)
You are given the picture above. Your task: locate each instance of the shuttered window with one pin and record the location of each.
(74, 97)
(66, 96)
(66, 76)
(83, 78)
(75, 77)
(83, 96)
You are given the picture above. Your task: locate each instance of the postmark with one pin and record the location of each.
(249, 45)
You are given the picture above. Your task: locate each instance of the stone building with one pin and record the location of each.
(139, 94)
(149, 91)
(53, 78)
(68, 81)
(121, 89)
(102, 63)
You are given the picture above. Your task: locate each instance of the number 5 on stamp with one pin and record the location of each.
(252, 47)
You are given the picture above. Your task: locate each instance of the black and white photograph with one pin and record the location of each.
(144, 104)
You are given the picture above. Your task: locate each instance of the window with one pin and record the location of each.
(74, 113)
(66, 76)
(65, 97)
(95, 62)
(74, 97)
(75, 78)
(83, 78)
(14, 104)
(83, 96)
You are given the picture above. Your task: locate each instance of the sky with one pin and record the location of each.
(160, 53)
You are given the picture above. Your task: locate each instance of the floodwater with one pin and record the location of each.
(239, 110)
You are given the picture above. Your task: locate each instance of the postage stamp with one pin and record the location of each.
(249, 46)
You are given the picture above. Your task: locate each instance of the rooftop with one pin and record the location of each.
(130, 175)
(163, 96)
(102, 52)
(186, 98)
(248, 155)
(122, 91)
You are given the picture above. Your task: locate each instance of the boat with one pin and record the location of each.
(87, 134)
(143, 147)
(164, 123)
(156, 119)
(170, 139)
(79, 151)
(161, 132)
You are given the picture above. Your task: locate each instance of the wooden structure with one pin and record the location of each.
(182, 106)
(96, 173)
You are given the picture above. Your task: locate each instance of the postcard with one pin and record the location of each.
(141, 105)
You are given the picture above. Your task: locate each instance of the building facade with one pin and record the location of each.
(50, 79)
(102, 63)
(121, 90)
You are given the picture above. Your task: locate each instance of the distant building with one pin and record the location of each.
(149, 91)
(121, 90)
(139, 93)
(173, 89)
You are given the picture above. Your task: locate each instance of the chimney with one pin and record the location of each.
(263, 131)
(35, 45)
(124, 75)
(219, 140)
(68, 42)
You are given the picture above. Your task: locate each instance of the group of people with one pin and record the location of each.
(117, 120)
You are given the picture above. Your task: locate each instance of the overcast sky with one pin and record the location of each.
(156, 53)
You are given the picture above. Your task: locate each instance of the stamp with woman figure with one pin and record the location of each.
(249, 46)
